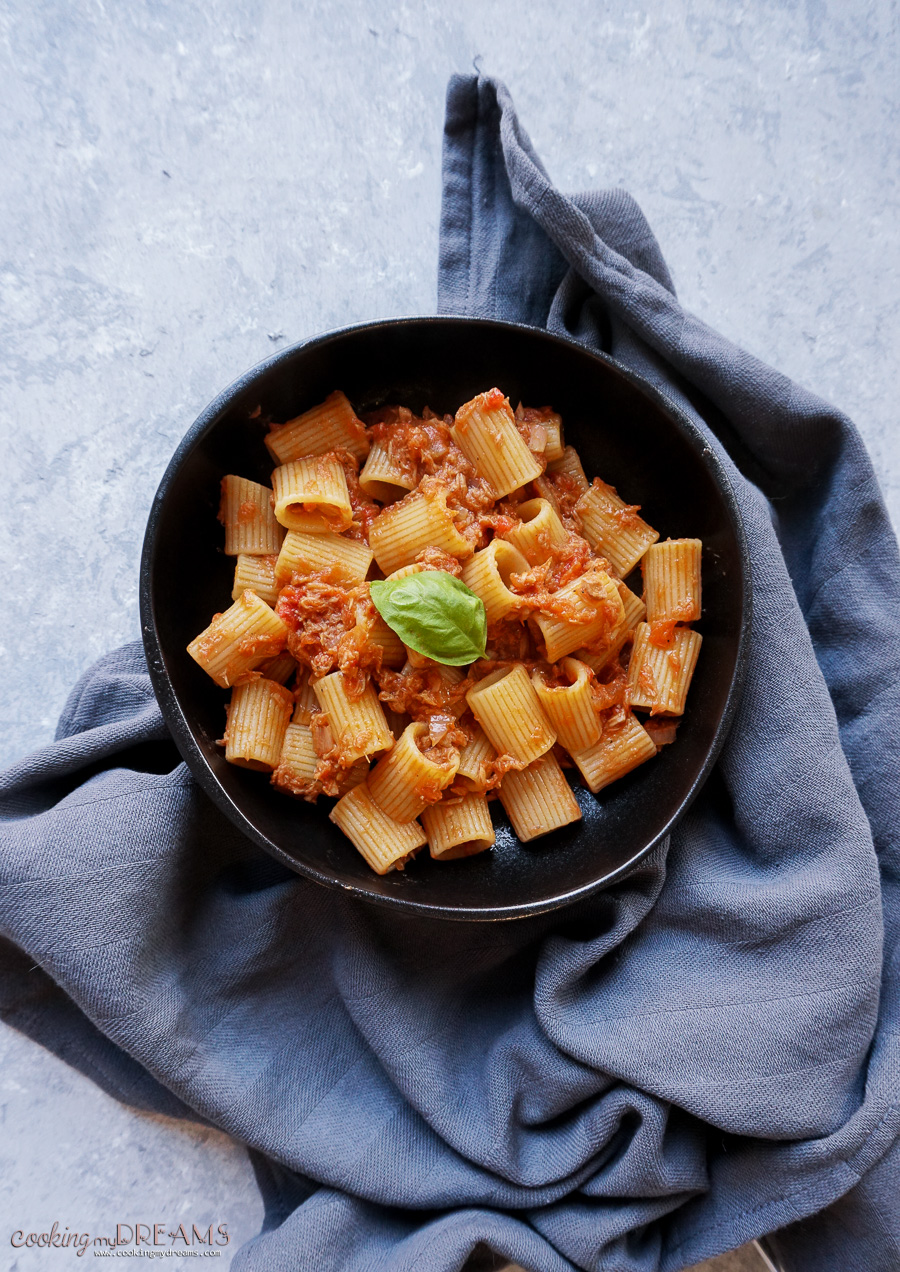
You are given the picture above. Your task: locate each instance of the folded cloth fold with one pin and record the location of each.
(703, 1053)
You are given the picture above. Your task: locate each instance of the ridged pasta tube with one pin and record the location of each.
(570, 707)
(485, 431)
(239, 640)
(385, 844)
(659, 678)
(506, 706)
(332, 425)
(613, 528)
(357, 724)
(304, 552)
(618, 751)
(405, 781)
(671, 573)
(459, 829)
(246, 512)
(487, 574)
(421, 520)
(258, 717)
(540, 529)
(538, 799)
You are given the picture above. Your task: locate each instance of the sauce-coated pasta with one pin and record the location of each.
(328, 698)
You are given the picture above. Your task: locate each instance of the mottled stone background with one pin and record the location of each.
(185, 188)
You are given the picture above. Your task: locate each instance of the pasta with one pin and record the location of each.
(258, 717)
(246, 512)
(385, 844)
(333, 425)
(311, 494)
(430, 611)
(538, 799)
(304, 553)
(459, 829)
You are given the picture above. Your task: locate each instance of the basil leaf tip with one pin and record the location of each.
(435, 614)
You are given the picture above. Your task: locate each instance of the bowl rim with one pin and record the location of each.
(180, 728)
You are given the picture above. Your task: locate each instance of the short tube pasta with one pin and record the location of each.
(659, 678)
(506, 706)
(570, 706)
(620, 749)
(280, 668)
(405, 781)
(459, 829)
(255, 574)
(594, 610)
(239, 640)
(476, 761)
(538, 799)
(488, 572)
(295, 772)
(421, 520)
(311, 494)
(671, 573)
(357, 724)
(305, 700)
(304, 552)
(251, 527)
(332, 425)
(385, 844)
(258, 717)
(539, 531)
(614, 527)
(485, 431)
(570, 465)
(384, 479)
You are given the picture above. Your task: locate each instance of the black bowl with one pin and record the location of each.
(625, 431)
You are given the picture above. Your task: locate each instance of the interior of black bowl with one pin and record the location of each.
(624, 432)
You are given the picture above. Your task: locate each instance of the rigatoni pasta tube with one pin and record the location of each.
(601, 653)
(305, 700)
(555, 448)
(332, 425)
(246, 512)
(538, 799)
(304, 552)
(506, 706)
(487, 574)
(237, 641)
(570, 706)
(383, 479)
(258, 717)
(311, 494)
(459, 829)
(570, 464)
(659, 678)
(591, 609)
(385, 844)
(485, 431)
(619, 750)
(295, 771)
(393, 649)
(613, 527)
(421, 520)
(255, 574)
(405, 781)
(538, 532)
(476, 762)
(671, 573)
(357, 724)
(279, 668)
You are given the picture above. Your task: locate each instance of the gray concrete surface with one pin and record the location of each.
(186, 187)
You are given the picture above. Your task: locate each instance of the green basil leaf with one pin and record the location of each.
(434, 614)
